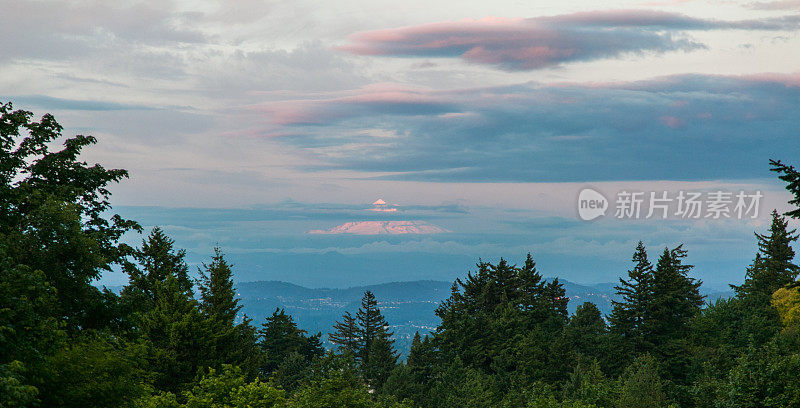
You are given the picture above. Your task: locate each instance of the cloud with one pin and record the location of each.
(516, 44)
(776, 5)
(54, 29)
(712, 127)
(374, 99)
(48, 102)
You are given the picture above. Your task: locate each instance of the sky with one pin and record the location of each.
(269, 128)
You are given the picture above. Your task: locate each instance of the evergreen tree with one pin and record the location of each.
(160, 302)
(676, 301)
(333, 381)
(416, 341)
(792, 178)
(346, 335)
(629, 317)
(586, 331)
(291, 372)
(676, 297)
(156, 260)
(588, 385)
(279, 337)
(371, 325)
(755, 320)
(179, 340)
(641, 386)
(376, 349)
(501, 321)
(382, 361)
(772, 268)
(413, 379)
(217, 294)
(233, 343)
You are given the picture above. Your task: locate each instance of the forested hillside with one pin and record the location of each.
(505, 337)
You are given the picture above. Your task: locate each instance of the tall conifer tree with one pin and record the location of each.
(346, 335)
(377, 354)
(772, 267)
(629, 317)
(233, 343)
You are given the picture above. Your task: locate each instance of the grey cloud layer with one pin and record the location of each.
(688, 127)
(55, 29)
(534, 43)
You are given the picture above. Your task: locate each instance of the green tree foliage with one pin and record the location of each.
(280, 337)
(755, 320)
(786, 302)
(333, 382)
(728, 329)
(655, 312)
(382, 361)
(791, 176)
(291, 372)
(14, 391)
(51, 207)
(52, 214)
(376, 347)
(346, 335)
(410, 381)
(94, 370)
(155, 261)
(676, 300)
(28, 330)
(766, 376)
(586, 332)
(588, 385)
(501, 319)
(55, 238)
(178, 339)
(460, 386)
(773, 267)
(217, 294)
(232, 343)
(641, 385)
(160, 304)
(229, 388)
(629, 318)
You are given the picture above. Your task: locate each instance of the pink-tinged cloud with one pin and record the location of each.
(789, 80)
(534, 43)
(381, 98)
(673, 122)
(523, 132)
(382, 228)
